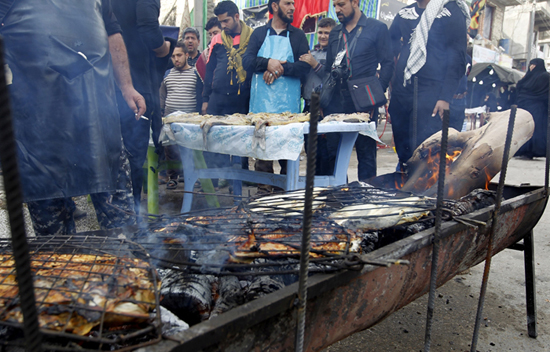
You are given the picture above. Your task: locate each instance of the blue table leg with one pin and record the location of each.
(237, 184)
(343, 156)
(190, 176)
(292, 174)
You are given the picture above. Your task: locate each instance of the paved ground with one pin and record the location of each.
(504, 327)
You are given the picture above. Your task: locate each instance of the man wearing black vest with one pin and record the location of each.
(356, 47)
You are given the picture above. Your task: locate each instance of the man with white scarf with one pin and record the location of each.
(429, 38)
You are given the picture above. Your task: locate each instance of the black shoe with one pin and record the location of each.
(79, 214)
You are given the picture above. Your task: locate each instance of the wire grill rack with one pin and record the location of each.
(92, 293)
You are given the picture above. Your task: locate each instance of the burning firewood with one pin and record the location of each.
(473, 157)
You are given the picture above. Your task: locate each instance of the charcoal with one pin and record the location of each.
(188, 296)
(263, 285)
(230, 295)
(369, 241)
(475, 200)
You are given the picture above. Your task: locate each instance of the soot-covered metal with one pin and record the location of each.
(216, 260)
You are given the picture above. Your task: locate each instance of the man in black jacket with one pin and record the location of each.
(227, 83)
(356, 47)
(146, 46)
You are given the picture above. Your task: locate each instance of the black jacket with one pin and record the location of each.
(217, 78)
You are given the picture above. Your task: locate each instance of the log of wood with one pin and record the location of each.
(479, 160)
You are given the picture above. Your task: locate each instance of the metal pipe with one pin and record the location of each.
(308, 214)
(547, 168)
(498, 202)
(438, 216)
(415, 116)
(14, 200)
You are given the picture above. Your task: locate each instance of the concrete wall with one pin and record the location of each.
(516, 28)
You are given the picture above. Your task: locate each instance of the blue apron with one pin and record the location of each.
(284, 94)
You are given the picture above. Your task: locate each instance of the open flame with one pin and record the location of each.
(432, 161)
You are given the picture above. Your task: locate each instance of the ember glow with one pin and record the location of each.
(432, 161)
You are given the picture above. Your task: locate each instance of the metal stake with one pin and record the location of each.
(489, 256)
(438, 215)
(415, 116)
(308, 213)
(14, 200)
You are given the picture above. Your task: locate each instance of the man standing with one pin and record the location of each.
(65, 116)
(227, 83)
(181, 90)
(273, 55)
(317, 59)
(356, 47)
(212, 27)
(192, 39)
(434, 56)
(148, 54)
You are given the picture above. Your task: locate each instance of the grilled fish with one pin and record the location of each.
(382, 215)
(73, 292)
(355, 117)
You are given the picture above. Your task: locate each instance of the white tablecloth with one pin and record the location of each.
(281, 142)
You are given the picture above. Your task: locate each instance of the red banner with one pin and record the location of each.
(311, 8)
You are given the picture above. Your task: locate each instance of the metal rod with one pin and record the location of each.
(14, 200)
(438, 215)
(547, 168)
(308, 214)
(530, 284)
(415, 116)
(498, 202)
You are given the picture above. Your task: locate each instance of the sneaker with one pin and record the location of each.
(172, 184)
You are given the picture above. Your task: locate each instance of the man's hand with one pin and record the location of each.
(135, 101)
(440, 106)
(204, 107)
(309, 59)
(276, 67)
(163, 50)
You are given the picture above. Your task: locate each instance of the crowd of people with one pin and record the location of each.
(83, 112)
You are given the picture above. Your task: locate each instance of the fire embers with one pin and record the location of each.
(77, 292)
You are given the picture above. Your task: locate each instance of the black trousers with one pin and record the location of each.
(225, 104)
(135, 136)
(365, 147)
(401, 112)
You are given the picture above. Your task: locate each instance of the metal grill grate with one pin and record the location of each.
(264, 235)
(93, 292)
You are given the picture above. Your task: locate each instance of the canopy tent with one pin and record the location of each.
(491, 73)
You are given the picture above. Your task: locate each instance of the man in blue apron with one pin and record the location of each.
(65, 116)
(273, 55)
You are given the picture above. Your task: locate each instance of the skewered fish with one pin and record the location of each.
(355, 117)
(73, 291)
(383, 214)
(235, 119)
(193, 118)
(262, 120)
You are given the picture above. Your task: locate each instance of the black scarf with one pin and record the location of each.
(535, 83)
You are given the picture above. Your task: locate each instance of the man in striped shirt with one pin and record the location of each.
(181, 90)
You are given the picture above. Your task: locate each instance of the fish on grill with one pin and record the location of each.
(193, 118)
(382, 214)
(74, 292)
(355, 117)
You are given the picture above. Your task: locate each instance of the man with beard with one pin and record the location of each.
(273, 55)
(436, 57)
(181, 90)
(227, 83)
(356, 46)
(192, 39)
